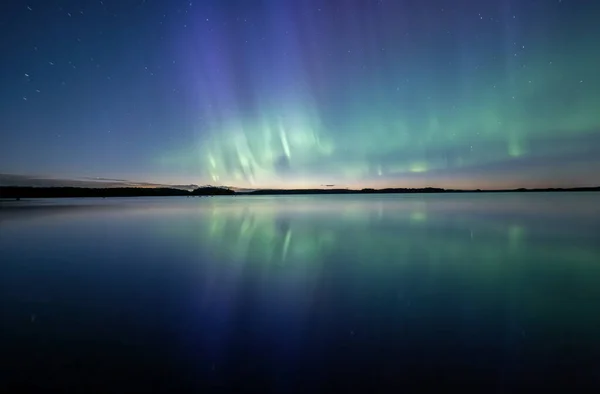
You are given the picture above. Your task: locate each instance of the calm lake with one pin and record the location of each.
(262, 294)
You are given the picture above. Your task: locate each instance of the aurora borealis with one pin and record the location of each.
(277, 93)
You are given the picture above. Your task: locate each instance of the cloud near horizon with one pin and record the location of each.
(91, 182)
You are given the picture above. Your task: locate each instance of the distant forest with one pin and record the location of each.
(18, 192)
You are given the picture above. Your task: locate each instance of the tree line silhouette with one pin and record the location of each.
(18, 192)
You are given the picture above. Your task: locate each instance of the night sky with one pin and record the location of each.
(302, 93)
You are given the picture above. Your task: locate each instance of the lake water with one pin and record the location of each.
(385, 293)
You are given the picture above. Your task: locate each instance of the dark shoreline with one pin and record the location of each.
(18, 192)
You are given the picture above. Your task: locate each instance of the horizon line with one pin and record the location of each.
(251, 190)
(21, 180)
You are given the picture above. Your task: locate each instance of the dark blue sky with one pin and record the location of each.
(292, 93)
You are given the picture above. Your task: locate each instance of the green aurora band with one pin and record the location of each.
(492, 117)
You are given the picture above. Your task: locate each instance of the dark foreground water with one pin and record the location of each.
(391, 293)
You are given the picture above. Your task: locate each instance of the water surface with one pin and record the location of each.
(496, 292)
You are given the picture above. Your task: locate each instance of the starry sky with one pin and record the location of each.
(302, 93)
